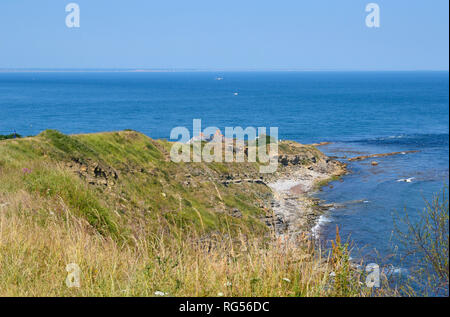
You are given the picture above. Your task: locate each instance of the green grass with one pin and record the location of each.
(148, 183)
(82, 201)
(157, 226)
(326, 182)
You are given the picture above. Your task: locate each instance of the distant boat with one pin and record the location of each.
(219, 78)
(236, 94)
(406, 180)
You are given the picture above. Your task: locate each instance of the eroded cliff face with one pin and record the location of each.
(131, 178)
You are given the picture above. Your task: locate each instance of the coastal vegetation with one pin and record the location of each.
(137, 224)
(9, 136)
(426, 241)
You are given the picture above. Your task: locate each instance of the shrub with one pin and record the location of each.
(427, 241)
(9, 136)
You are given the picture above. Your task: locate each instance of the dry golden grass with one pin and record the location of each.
(34, 255)
(130, 239)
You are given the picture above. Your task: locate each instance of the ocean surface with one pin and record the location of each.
(360, 112)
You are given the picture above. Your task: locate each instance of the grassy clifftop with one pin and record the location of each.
(137, 223)
(113, 178)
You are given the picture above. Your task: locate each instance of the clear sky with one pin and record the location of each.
(226, 34)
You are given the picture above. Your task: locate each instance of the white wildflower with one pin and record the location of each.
(286, 279)
(159, 293)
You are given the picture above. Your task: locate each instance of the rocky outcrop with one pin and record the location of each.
(285, 203)
(295, 211)
(286, 160)
(94, 173)
(321, 143)
(241, 180)
(364, 157)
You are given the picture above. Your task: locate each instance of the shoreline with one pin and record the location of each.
(296, 211)
(302, 171)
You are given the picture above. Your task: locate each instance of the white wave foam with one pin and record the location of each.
(320, 222)
(395, 270)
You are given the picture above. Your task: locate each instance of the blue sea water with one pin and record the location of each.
(360, 112)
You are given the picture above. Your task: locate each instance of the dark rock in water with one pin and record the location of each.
(363, 157)
(321, 143)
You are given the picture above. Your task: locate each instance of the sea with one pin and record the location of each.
(360, 113)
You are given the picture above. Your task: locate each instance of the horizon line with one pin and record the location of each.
(175, 70)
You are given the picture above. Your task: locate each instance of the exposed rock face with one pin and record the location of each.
(295, 211)
(304, 158)
(285, 202)
(242, 180)
(94, 173)
(291, 210)
(236, 213)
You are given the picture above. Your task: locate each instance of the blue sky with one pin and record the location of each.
(225, 34)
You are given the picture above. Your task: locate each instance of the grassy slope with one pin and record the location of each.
(149, 185)
(137, 223)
